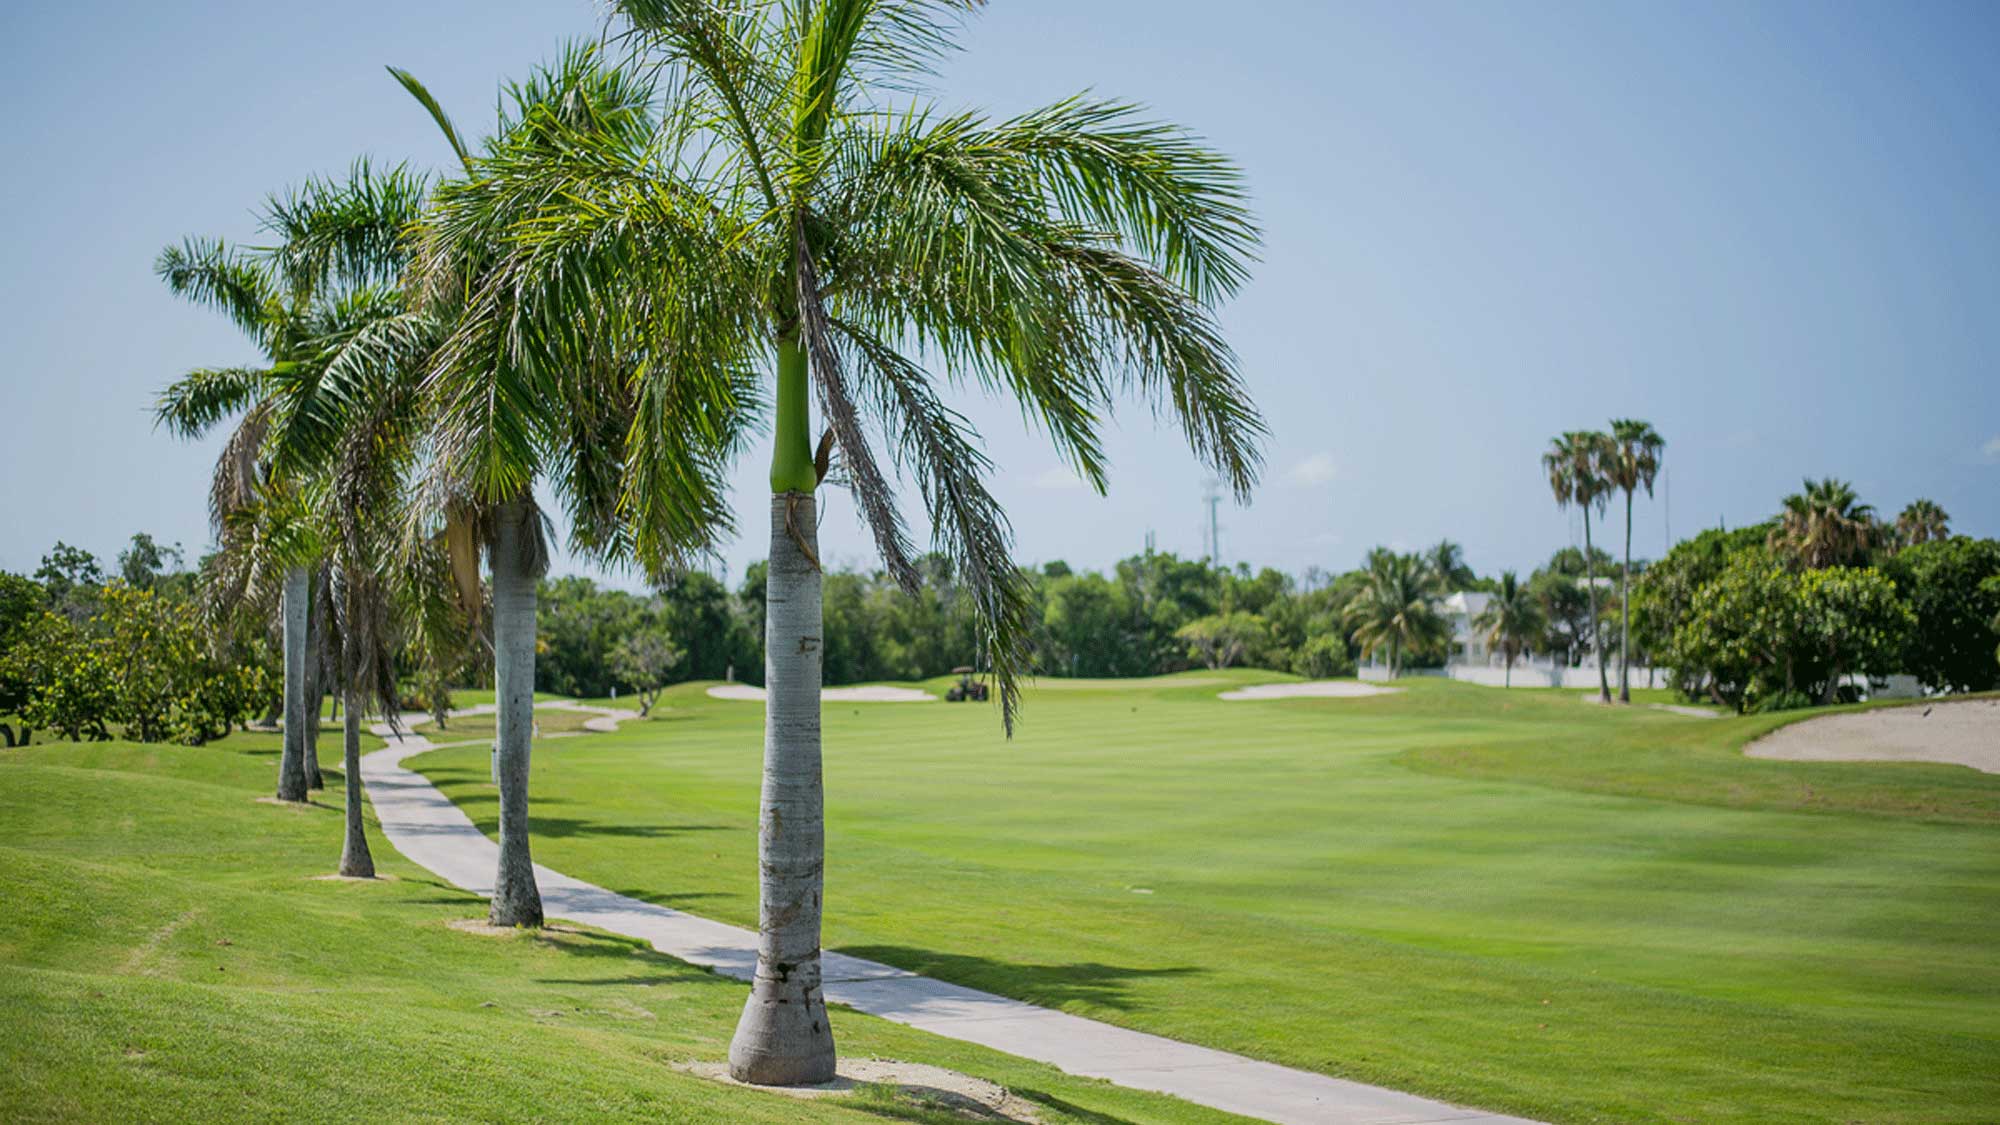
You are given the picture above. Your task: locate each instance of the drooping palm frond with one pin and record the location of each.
(216, 275)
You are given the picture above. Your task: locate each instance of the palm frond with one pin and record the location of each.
(216, 275)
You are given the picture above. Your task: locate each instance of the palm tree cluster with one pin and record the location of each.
(587, 309)
(1585, 468)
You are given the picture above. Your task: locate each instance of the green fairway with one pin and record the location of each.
(166, 955)
(1512, 899)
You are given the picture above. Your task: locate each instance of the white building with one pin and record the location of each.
(1468, 645)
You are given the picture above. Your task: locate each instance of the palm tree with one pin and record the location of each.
(1632, 460)
(1063, 256)
(1575, 464)
(1396, 608)
(544, 383)
(1825, 525)
(1447, 560)
(1512, 620)
(1922, 522)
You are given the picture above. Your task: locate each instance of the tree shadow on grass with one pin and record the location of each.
(563, 826)
(1048, 985)
(653, 967)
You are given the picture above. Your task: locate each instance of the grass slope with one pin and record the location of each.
(1511, 899)
(166, 955)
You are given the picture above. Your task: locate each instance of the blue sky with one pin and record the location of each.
(1767, 228)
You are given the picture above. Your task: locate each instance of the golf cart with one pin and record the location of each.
(966, 688)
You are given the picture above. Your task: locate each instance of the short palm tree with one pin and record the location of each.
(1512, 620)
(1395, 610)
(1632, 461)
(1447, 560)
(544, 384)
(1921, 522)
(1825, 525)
(1575, 463)
(798, 205)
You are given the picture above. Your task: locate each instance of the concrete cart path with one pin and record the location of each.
(425, 826)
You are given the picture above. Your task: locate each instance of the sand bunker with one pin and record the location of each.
(1312, 689)
(923, 1087)
(747, 694)
(1966, 733)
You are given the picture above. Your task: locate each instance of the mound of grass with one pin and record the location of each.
(166, 954)
(1509, 899)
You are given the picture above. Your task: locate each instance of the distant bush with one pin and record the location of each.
(1324, 657)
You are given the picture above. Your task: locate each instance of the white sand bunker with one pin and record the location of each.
(746, 694)
(1311, 689)
(924, 1087)
(1965, 733)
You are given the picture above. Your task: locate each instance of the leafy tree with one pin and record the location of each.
(1741, 638)
(1631, 461)
(1062, 256)
(1566, 614)
(71, 578)
(145, 561)
(1850, 621)
(1223, 639)
(62, 679)
(1512, 620)
(1087, 621)
(1323, 657)
(643, 660)
(1668, 591)
(1576, 462)
(1825, 525)
(1396, 608)
(1949, 584)
(1922, 521)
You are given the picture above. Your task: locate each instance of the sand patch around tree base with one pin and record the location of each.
(917, 1084)
(484, 928)
(1311, 689)
(1963, 733)
(336, 877)
(745, 693)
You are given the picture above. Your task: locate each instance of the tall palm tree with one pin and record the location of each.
(545, 383)
(1511, 620)
(800, 204)
(1632, 460)
(1921, 522)
(1396, 608)
(1575, 463)
(1825, 525)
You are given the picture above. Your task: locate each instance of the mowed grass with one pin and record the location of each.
(1510, 899)
(166, 954)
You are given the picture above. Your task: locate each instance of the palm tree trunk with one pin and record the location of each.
(783, 1038)
(355, 862)
(291, 764)
(516, 899)
(315, 693)
(1596, 639)
(1625, 611)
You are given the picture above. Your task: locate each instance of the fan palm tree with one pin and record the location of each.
(1511, 620)
(1825, 525)
(1632, 461)
(1396, 608)
(787, 209)
(1921, 522)
(1575, 464)
(545, 383)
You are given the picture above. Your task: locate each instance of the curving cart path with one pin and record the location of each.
(425, 826)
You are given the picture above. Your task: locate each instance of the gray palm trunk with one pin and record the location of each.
(315, 693)
(1590, 582)
(516, 899)
(783, 1038)
(1625, 611)
(355, 861)
(291, 763)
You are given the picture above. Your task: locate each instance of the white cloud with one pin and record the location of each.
(1057, 478)
(1314, 471)
(1991, 450)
